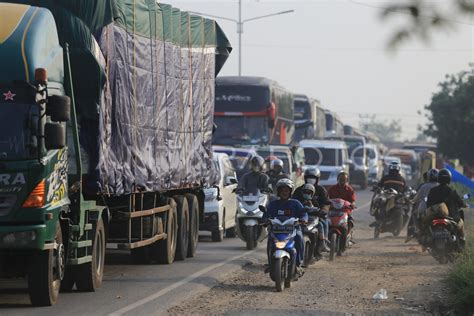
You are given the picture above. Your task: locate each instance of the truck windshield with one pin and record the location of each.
(323, 156)
(16, 139)
(232, 130)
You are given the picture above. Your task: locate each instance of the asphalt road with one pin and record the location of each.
(130, 289)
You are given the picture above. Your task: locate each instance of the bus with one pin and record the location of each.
(310, 118)
(252, 111)
(334, 125)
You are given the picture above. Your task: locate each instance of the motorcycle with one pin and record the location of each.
(282, 251)
(310, 234)
(390, 209)
(442, 239)
(251, 207)
(340, 229)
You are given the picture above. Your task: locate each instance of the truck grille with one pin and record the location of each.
(6, 204)
(325, 175)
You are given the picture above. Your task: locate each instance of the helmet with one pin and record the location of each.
(256, 163)
(432, 175)
(312, 173)
(444, 176)
(309, 187)
(276, 165)
(341, 173)
(394, 166)
(285, 183)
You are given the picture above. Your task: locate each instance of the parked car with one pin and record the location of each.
(375, 163)
(330, 156)
(220, 204)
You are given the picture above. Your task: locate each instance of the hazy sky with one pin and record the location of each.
(335, 51)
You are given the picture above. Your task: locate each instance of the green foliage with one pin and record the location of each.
(461, 278)
(425, 16)
(451, 115)
(387, 131)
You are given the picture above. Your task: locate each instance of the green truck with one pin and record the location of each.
(106, 119)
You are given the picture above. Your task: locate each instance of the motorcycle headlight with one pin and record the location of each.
(281, 244)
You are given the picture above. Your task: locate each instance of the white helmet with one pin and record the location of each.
(285, 183)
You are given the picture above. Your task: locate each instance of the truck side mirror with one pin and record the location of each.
(55, 136)
(59, 108)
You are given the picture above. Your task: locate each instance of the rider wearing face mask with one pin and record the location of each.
(256, 178)
(320, 199)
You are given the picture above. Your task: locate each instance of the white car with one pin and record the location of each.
(375, 163)
(330, 156)
(220, 204)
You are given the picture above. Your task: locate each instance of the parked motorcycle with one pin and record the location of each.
(340, 229)
(251, 208)
(391, 210)
(282, 252)
(310, 234)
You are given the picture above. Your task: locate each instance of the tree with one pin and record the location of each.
(451, 115)
(387, 131)
(425, 16)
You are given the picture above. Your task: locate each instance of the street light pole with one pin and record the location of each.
(240, 25)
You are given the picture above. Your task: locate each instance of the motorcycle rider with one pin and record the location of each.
(276, 172)
(419, 202)
(453, 203)
(321, 200)
(308, 194)
(342, 190)
(256, 178)
(393, 180)
(288, 207)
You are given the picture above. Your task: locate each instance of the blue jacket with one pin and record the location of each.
(288, 208)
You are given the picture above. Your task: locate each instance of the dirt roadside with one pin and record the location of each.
(413, 281)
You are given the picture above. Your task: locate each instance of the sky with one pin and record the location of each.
(336, 51)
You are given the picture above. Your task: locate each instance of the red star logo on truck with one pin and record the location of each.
(9, 96)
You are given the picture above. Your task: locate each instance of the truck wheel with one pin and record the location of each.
(166, 248)
(230, 232)
(217, 235)
(68, 282)
(46, 272)
(183, 227)
(89, 275)
(193, 204)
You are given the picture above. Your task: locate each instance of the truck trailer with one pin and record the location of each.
(106, 119)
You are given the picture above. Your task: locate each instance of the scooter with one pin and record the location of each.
(251, 208)
(392, 211)
(339, 227)
(310, 235)
(282, 251)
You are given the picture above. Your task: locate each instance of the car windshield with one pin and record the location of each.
(16, 139)
(232, 130)
(355, 147)
(323, 156)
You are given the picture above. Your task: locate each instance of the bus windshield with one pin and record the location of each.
(232, 130)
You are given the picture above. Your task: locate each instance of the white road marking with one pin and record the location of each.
(173, 286)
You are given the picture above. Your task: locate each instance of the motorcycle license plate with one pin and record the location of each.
(282, 229)
(440, 234)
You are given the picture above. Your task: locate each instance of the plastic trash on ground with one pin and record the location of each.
(380, 295)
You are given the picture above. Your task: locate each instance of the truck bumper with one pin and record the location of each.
(24, 237)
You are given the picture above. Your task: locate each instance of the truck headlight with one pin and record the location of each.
(21, 238)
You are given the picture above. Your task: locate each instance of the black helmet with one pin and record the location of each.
(444, 176)
(256, 163)
(277, 165)
(432, 175)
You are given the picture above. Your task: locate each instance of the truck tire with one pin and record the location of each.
(193, 204)
(89, 275)
(182, 241)
(45, 273)
(230, 232)
(217, 235)
(165, 249)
